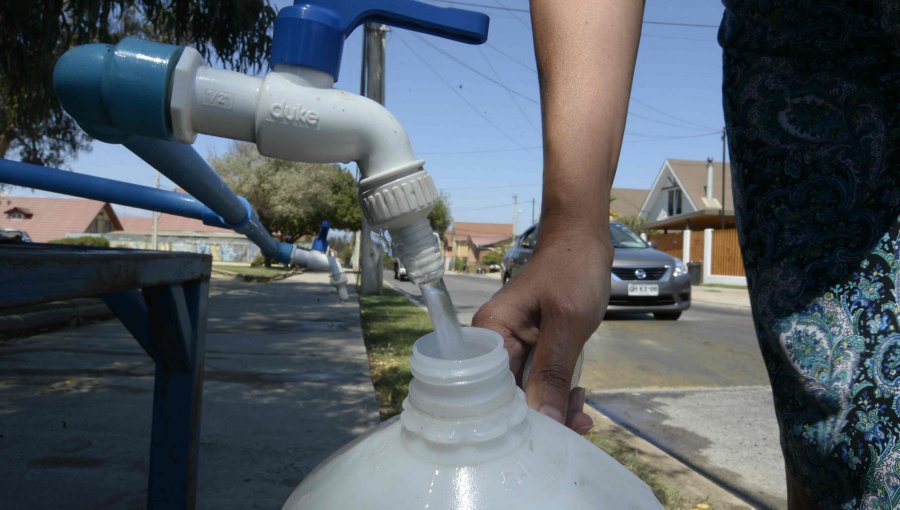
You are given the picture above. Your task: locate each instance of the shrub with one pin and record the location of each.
(258, 261)
(83, 241)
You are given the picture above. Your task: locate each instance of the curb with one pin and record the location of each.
(28, 323)
(689, 484)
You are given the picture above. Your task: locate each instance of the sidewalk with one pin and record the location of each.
(714, 295)
(287, 382)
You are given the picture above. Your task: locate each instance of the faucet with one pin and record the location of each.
(139, 89)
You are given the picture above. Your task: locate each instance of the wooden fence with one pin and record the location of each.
(670, 243)
(726, 253)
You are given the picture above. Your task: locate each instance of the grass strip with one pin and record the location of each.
(391, 324)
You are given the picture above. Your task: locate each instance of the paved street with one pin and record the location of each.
(695, 387)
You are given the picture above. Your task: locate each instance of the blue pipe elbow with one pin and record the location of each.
(116, 92)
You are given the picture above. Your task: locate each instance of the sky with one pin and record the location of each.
(472, 112)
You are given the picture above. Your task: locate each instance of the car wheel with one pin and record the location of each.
(667, 316)
(504, 279)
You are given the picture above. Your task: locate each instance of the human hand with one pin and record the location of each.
(552, 307)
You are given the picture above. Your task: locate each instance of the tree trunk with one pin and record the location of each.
(5, 142)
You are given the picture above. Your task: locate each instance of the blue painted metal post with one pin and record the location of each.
(178, 321)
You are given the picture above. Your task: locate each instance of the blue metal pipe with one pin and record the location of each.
(183, 166)
(106, 190)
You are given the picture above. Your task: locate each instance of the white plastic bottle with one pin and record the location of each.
(466, 440)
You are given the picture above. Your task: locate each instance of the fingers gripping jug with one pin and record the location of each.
(467, 440)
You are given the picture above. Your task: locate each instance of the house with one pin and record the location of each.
(626, 202)
(176, 233)
(687, 204)
(466, 242)
(46, 219)
(687, 195)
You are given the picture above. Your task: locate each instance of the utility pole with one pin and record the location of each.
(372, 86)
(154, 240)
(515, 214)
(723, 179)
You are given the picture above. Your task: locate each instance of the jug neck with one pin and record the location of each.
(470, 402)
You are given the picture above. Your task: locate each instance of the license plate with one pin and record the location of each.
(637, 289)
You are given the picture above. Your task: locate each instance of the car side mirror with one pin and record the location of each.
(652, 244)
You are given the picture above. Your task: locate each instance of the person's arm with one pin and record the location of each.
(585, 54)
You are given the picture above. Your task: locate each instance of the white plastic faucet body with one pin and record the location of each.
(295, 114)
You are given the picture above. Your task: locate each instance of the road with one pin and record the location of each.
(696, 387)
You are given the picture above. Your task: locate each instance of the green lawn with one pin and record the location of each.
(391, 324)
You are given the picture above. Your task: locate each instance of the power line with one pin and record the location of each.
(462, 97)
(664, 138)
(508, 93)
(669, 115)
(685, 123)
(478, 151)
(515, 9)
(470, 68)
(499, 186)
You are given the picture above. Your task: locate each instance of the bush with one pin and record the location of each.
(492, 257)
(258, 261)
(92, 241)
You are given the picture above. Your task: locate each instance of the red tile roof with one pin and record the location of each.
(167, 223)
(53, 218)
(481, 233)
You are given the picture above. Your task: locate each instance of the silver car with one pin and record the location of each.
(643, 279)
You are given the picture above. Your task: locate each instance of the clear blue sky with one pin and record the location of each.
(472, 111)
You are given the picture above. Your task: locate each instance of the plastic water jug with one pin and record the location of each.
(467, 440)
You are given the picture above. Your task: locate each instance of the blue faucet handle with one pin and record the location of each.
(321, 241)
(311, 33)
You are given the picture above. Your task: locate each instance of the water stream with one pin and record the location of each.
(443, 317)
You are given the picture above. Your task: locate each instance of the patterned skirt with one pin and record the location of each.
(812, 104)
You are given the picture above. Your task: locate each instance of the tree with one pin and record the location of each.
(289, 197)
(33, 35)
(636, 223)
(440, 217)
(494, 256)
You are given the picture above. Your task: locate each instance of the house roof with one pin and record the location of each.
(481, 234)
(53, 218)
(691, 176)
(628, 201)
(166, 223)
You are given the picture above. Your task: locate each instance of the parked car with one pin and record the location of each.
(399, 271)
(643, 279)
(11, 234)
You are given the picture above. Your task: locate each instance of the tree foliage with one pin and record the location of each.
(291, 198)
(494, 256)
(440, 217)
(34, 34)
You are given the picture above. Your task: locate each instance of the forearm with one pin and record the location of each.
(585, 54)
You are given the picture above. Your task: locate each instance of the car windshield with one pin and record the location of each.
(623, 237)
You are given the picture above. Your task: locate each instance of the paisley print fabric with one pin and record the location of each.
(812, 97)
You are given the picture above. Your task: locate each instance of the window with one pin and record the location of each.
(674, 201)
(15, 215)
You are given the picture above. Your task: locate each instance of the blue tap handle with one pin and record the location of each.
(311, 33)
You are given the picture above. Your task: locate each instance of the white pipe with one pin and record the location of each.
(709, 181)
(295, 114)
(310, 259)
(292, 114)
(338, 278)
